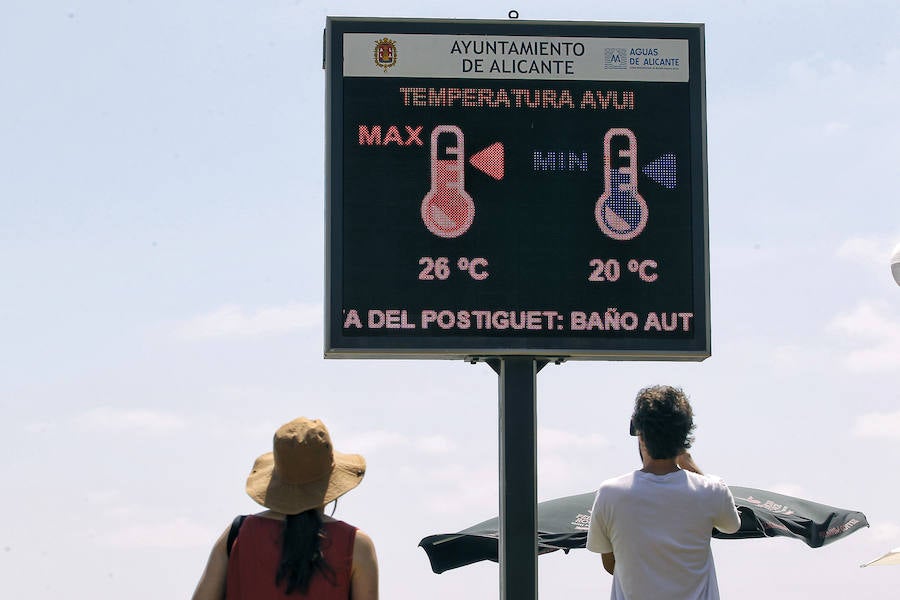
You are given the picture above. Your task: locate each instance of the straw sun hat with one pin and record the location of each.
(303, 471)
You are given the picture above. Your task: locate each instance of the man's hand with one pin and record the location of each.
(686, 462)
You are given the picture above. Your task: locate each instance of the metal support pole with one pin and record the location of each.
(518, 478)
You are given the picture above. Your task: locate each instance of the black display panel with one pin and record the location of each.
(504, 187)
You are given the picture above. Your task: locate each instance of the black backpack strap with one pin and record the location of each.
(233, 532)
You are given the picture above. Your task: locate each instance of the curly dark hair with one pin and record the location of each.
(664, 419)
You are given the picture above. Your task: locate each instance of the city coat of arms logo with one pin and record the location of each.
(385, 53)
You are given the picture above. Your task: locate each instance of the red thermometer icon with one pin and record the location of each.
(447, 209)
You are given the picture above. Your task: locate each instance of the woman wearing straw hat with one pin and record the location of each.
(293, 550)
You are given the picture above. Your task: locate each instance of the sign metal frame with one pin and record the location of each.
(471, 346)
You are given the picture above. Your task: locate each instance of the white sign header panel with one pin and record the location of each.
(515, 57)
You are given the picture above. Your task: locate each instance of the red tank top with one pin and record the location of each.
(257, 550)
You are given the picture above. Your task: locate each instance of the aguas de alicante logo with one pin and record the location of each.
(615, 58)
(385, 53)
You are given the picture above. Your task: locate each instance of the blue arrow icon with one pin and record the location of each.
(663, 171)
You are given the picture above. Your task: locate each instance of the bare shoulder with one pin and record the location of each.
(364, 575)
(212, 582)
(363, 544)
(220, 547)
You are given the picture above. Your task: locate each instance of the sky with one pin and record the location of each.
(161, 251)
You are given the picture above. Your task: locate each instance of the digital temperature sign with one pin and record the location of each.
(502, 188)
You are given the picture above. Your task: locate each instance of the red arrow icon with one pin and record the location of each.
(489, 160)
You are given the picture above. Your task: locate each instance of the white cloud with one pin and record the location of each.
(462, 488)
(885, 357)
(103, 497)
(788, 489)
(887, 531)
(794, 357)
(377, 440)
(870, 320)
(180, 533)
(808, 69)
(871, 251)
(873, 324)
(129, 421)
(233, 321)
(40, 427)
(434, 444)
(553, 440)
(566, 460)
(877, 425)
(135, 525)
(835, 127)
(373, 441)
(559, 475)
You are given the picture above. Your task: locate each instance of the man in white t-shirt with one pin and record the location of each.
(652, 527)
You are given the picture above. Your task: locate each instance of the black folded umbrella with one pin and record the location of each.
(563, 524)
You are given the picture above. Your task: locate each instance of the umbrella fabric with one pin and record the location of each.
(563, 525)
(767, 514)
(891, 558)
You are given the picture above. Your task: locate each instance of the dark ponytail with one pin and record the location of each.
(301, 552)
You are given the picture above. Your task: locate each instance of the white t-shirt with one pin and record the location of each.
(659, 527)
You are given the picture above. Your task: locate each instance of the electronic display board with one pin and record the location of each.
(515, 188)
